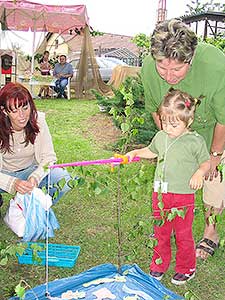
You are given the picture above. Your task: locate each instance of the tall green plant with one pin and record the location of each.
(128, 111)
(218, 42)
(128, 119)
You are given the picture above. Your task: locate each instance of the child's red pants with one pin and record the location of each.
(182, 228)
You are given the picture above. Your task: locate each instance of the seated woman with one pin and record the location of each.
(26, 147)
(45, 68)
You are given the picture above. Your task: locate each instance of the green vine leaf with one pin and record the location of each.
(158, 222)
(218, 218)
(158, 261)
(4, 261)
(162, 213)
(20, 291)
(97, 190)
(71, 183)
(61, 183)
(81, 181)
(55, 195)
(222, 243)
(170, 217)
(127, 111)
(221, 169)
(160, 205)
(181, 213)
(125, 127)
(212, 219)
(189, 295)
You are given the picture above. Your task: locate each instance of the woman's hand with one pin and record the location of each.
(33, 181)
(213, 172)
(23, 186)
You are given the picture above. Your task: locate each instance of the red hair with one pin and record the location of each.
(16, 95)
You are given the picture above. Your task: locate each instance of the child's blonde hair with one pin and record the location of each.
(178, 105)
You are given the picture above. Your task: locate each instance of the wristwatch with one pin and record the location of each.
(215, 153)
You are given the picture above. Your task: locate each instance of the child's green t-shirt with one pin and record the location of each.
(183, 158)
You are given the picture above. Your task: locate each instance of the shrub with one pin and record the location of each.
(128, 111)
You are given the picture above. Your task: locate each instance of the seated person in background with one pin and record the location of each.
(62, 71)
(45, 68)
(26, 146)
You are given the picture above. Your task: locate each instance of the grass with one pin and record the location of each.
(88, 214)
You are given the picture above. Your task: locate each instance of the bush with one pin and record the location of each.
(128, 111)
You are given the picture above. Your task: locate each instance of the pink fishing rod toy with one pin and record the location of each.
(116, 160)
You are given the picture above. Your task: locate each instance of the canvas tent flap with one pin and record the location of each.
(105, 282)
(88, 76)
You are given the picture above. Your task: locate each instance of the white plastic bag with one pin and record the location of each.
(14, 217)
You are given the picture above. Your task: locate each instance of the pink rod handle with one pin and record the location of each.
(92, 162)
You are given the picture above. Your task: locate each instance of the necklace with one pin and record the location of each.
(18, 140)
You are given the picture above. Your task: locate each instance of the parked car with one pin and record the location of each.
(106, 65)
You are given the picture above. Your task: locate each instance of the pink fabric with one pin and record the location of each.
(23, 15)
(182, 228)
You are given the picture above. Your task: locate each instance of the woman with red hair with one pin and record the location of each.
(26, 146)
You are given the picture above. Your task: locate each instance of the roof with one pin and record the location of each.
(214, 22)
(210, 15)
(122, 53)
(103, 43)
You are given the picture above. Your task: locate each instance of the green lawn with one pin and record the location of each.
(88, 215)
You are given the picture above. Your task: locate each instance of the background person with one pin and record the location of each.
(25, 145)
(177, 60)
(45, 68)
(183, 160)
(62, 71)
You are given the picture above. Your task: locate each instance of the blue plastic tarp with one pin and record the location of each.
(104, 282)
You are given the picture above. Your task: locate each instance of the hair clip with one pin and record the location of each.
(187, 103)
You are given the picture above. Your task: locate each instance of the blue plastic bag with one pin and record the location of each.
(36, 215)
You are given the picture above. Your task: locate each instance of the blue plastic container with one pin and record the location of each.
(59, 255)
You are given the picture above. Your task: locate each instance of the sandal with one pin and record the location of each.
(212, 246)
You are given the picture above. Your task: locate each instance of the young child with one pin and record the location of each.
(183, 160)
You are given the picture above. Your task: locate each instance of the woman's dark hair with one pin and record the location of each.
(11, 95)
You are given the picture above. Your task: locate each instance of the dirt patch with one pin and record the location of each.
(102, 130)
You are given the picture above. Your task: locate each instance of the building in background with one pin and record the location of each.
(107, 44)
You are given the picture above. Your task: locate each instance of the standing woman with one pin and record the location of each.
(177, 60)
(26, 146)
(45, 68)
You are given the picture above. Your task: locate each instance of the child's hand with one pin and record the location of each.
(131, 155)
(196, 181)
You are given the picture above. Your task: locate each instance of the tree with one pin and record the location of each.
(196, 6)
(142, 41)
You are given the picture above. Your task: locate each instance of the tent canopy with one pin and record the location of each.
(25, 15)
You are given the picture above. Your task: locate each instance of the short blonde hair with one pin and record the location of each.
(173, 39)
(178, 105)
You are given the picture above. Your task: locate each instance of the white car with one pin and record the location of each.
(106, 65)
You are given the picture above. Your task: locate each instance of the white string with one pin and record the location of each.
(46, 242)
(166, 151)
